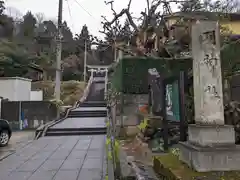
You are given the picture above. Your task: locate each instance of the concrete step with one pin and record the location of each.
(93, 104)
(96, 97)
(75, 114)
(77, 129)
(75, 132)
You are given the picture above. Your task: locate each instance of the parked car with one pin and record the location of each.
(5, 132)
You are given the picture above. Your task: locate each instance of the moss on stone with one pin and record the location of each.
(170, 166)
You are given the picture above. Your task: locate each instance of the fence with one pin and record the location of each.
(28, 114)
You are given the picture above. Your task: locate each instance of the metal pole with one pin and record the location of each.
(115, 51)
(20, 116)
(59, 53)
(85, 62)
(106, 82)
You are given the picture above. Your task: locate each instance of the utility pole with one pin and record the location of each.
(58, 52)
(115, 51)
(85, 62)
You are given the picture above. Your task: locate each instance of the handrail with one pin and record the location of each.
(86, 90)
(52, 123)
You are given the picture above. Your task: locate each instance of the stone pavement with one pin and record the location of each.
(18, 140)
(58, 158)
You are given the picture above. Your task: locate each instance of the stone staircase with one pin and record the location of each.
(87, 119)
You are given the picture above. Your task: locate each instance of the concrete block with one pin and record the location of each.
(132, 131)
(210, 135)
(205, 159)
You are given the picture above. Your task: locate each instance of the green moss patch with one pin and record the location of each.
(170, 167)
(131, 73)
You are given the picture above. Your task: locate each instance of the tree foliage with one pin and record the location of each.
(31, 39)
(81, 39)
(222, 6)
(14, 60)
(34, 37)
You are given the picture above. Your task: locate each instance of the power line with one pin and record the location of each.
(85, 9)
(97, 20)
(70, 14)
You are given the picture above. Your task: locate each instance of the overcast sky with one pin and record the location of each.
(76, 12)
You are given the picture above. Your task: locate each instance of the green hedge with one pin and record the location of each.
(131, 73)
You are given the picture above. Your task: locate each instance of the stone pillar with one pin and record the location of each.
(91, 70)
(211, 143)
(120, 55)
(207, 76)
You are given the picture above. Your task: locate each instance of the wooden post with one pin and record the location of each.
(165, 121)
(182, 107)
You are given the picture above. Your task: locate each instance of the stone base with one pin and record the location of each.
(211, 135)
(122, 132)
(205, 159)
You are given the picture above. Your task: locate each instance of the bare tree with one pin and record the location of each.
(40, 18)
(223, 6)
(14, 13)
(149, 34)
(140, 33)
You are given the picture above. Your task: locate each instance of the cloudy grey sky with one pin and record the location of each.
(76, 12)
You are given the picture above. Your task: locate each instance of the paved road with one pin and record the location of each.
(58, 158)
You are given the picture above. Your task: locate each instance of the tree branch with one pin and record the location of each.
(148, 6)
(129, 5)
(117, 16)
(124, 11)
(111, 4)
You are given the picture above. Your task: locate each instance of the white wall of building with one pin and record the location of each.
(23, 92)
(36, 96)
(15, 88)
(7, 88)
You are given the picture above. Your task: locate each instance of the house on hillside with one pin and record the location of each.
(230, 21)
(31, 71)
(35, 72)
(178, 40)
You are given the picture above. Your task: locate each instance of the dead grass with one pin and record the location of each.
(71, 91)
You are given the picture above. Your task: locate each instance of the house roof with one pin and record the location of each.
(31, 65)
(206, 15)
(35, 67)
